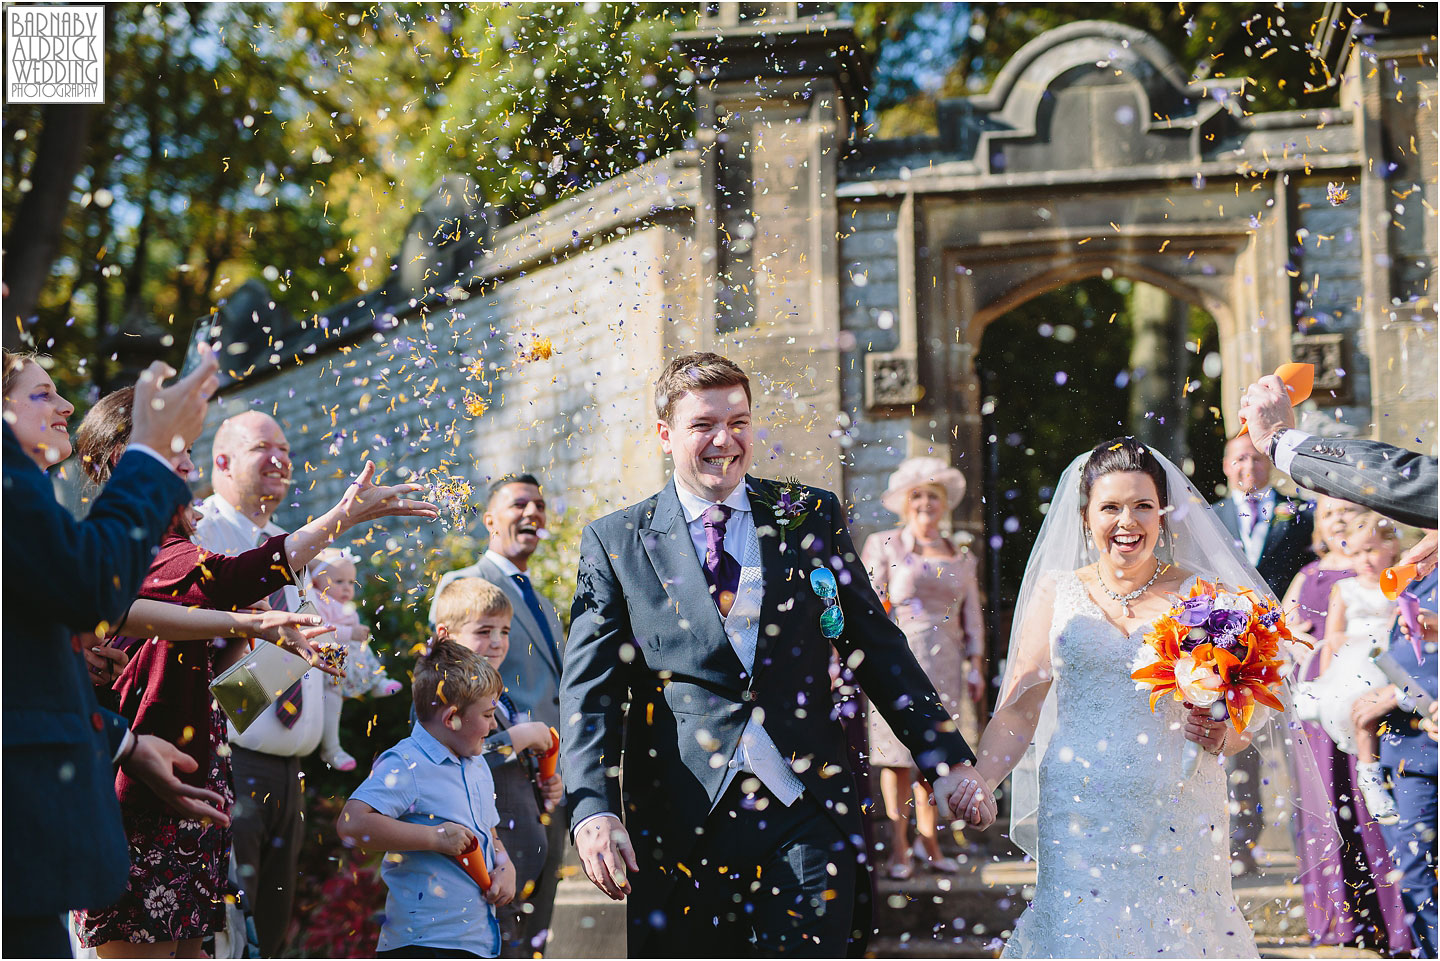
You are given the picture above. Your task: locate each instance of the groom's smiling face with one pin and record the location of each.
(710, 436)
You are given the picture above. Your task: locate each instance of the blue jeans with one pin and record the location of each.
(1411, 841)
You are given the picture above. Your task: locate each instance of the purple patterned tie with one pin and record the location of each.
(721, 570)
(1252, 502)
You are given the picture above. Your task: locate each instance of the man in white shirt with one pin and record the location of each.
(698, 662)
(1275, 533)
(251, 475)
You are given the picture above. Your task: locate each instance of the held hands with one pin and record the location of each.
(1265, 408)
(155, 761)
(1205, 730)
(605, 851)
(452, 840)
(963, 793)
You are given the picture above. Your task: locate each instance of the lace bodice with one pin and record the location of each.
(1133, 856)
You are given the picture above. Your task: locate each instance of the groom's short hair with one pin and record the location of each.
(693, 372)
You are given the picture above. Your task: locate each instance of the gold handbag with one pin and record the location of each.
(256, 682)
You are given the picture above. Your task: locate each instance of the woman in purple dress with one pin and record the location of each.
(1359, 906)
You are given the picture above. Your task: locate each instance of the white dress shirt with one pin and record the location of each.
(1254, 541)
(224, 530)
(756, 754)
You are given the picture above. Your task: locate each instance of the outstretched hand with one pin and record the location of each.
(605, 851)
(963, 793)
(168, 419)
(155, 761)
(366, 501)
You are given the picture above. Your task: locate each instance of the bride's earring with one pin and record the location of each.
(1160, 539)
(1089, 543)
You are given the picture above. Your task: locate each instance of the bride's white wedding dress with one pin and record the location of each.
(1133, 857)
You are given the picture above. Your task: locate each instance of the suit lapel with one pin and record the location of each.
(777, 570)
(667, 543)
(520, 611)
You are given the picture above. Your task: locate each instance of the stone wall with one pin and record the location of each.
(582, 419)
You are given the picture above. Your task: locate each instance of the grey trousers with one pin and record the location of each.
(267, 828)
(558, 834)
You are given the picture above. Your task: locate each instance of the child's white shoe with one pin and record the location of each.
(339, 760)
(1377, 796)
(386, 687)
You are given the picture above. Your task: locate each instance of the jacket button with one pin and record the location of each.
(97, 721)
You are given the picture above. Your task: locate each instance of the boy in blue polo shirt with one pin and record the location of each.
(426, 801)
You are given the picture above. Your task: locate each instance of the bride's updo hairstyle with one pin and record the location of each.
(1122, 454)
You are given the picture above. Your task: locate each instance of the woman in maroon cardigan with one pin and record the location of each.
(178, 874)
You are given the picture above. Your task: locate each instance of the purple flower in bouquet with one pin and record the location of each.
(1226, 626)
(1195, 611)
(1270, 616)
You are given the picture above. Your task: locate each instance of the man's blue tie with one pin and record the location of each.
(532, 601)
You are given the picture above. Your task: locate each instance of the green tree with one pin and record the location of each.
(1264, 42)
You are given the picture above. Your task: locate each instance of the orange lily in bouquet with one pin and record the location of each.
(1217, 649)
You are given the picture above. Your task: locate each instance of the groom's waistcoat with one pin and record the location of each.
(645, 632)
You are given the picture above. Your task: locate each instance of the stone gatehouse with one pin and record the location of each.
(854, 279)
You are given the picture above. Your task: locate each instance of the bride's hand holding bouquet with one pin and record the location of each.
(1218, 651)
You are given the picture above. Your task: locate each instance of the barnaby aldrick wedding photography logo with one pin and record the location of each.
(54, 54)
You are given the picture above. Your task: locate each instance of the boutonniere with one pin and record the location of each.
(787, 503)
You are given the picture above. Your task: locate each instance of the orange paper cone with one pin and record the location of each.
(473, 861)
(1299, 381)
(1393, 580)
(549, 759)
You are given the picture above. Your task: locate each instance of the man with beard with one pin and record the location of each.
(251, 475)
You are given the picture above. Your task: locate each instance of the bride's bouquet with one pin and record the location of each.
(1217, 649)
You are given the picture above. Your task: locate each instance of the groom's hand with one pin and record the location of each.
(605, 851)
(963, 793)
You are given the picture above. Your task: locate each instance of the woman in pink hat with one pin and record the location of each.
(928, 581)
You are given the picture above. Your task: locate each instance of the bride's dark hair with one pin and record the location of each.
(1122, 454)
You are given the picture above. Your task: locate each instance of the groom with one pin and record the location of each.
(707, 772)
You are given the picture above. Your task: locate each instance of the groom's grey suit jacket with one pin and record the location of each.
(645, 632)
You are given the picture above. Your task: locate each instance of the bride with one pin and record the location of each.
(1133, 855)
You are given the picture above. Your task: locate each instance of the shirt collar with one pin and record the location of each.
(1263, 493)
(431, 747)
(507, 567)
(693, 506)
(231, 515)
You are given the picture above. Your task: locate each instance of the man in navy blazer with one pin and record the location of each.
(722, 802)
(1408, 756)
(65, 846)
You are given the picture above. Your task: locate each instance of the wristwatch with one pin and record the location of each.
(1274, 442)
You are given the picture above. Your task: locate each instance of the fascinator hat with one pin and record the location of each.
(917, 471)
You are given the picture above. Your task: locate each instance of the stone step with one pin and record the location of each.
(981, 903)
(899, 947)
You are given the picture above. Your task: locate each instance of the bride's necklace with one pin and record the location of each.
(1125, 599)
